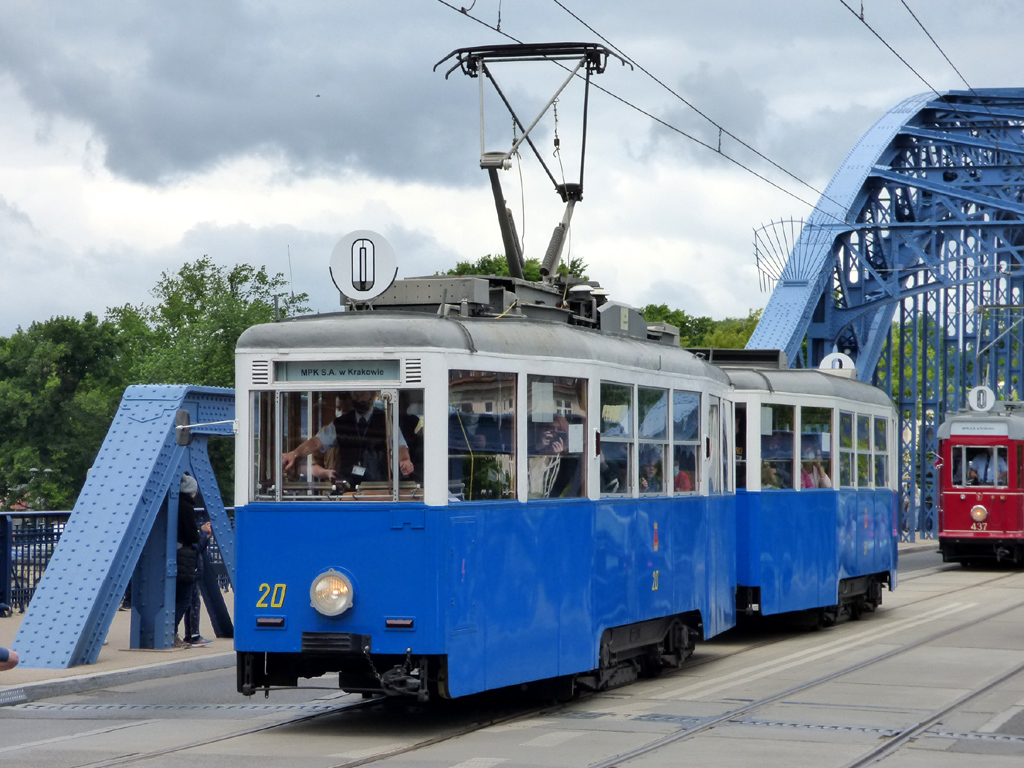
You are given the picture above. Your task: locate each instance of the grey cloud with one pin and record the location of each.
(174, 91)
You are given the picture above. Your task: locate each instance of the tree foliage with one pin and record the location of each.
(62, 380)
(497, 264)
(59, 389)
(189, 335)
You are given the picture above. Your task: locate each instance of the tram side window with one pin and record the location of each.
(557, 423)
(815, 447)
(264, 457)
(881, 452)
(846, 452)
(481, 435)
(652, 419)
(616, 438)
(863, 451)
(685, 441)
(777, 447)
(741, 445)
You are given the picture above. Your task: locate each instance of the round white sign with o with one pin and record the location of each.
(363, 265)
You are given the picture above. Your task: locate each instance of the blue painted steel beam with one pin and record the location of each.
(920, 229)
(108, 533)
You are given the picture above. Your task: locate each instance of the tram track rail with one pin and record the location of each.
(892, 741)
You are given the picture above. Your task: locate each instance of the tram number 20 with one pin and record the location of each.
(979, 526)
(275, 595)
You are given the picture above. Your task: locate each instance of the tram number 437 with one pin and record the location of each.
(979, 526)
(275, 594)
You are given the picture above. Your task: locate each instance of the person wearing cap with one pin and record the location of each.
(8, 659)
(188, 552)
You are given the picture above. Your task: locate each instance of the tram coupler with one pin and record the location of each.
(400, 680)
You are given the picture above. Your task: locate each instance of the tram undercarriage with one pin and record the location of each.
(975, 551)
(626, 653)
(856, 596)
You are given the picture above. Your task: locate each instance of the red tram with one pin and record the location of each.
(981, 482)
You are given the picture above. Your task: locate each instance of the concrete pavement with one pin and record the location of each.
(117, 664)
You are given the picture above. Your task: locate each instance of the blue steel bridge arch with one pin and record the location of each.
(913, 264)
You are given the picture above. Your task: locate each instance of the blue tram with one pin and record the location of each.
(485, 482)
(816, 505)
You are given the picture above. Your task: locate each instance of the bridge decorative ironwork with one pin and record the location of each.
(912, 264)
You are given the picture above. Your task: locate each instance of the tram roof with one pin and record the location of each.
(964, 420)
(807, 382)
(507, 336)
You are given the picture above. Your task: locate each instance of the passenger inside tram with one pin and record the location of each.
(812, 472)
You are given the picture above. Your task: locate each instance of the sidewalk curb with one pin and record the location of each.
(922, 546)
(20, 694)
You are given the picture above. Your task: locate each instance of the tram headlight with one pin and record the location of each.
(331, 593)
(978, 513)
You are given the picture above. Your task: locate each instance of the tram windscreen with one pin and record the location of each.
(977, 465)
(360, 445)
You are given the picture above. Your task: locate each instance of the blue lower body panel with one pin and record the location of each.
(504, 592)
(796, 546)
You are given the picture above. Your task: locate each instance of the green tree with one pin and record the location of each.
(62, 380)
(189, 335)
(60, 385)
(496, 264)
(733, 332)
(692, 330)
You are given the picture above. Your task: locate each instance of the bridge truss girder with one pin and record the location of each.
(913, 264)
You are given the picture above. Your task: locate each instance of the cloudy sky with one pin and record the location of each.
(136, 136)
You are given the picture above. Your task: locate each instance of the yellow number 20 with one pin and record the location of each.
(276, 596)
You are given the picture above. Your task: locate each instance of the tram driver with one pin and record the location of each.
(981, 470)
(360, 439)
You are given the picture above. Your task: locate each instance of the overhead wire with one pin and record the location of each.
(669, 126)
(860, 17)
(721, 129)
(954, 68)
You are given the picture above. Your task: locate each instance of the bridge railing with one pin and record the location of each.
(27, 540)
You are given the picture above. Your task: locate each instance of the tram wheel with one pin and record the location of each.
(828, 617)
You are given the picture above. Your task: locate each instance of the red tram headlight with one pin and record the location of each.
(978, 513)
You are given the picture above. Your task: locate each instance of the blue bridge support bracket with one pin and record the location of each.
(124, 527)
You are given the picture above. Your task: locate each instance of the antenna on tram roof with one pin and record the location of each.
(588, 57)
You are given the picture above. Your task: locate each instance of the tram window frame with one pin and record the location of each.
(968, 454)
(686, 410)
(652, 440)
(777, 450)
(725, 435)
(264, 457)
(482, 445)
(863, 440)
(816, 447)
(881, 453)
(617, 450)
(740, 445)
(295, 413)
(556, 418)
(847, 478)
